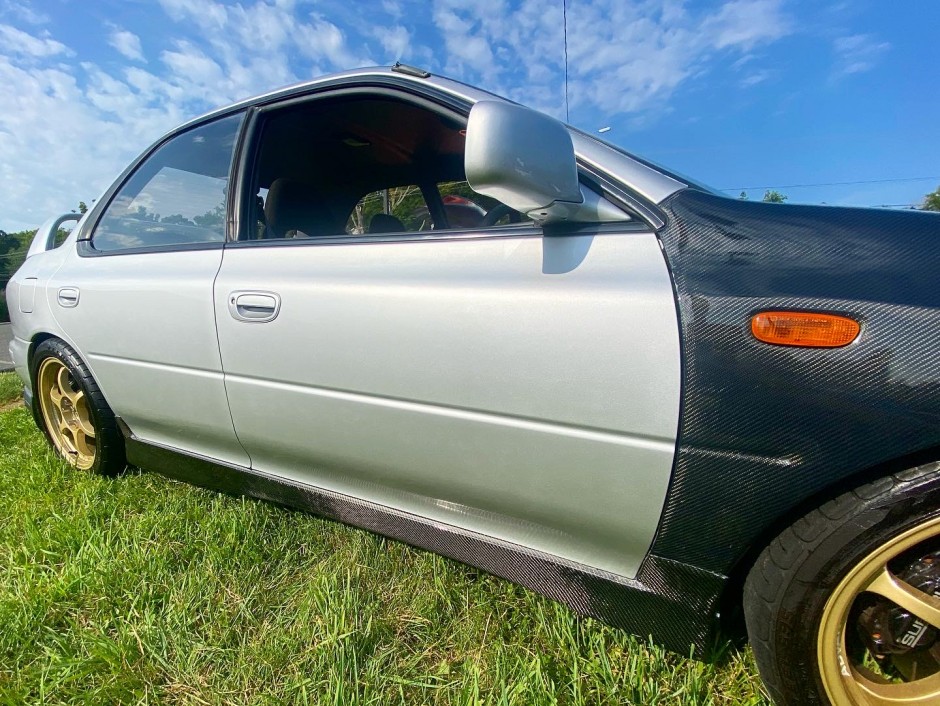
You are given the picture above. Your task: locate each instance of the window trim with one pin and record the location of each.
(86, 249)
(514, 230)
(85, 240)
(612, 191)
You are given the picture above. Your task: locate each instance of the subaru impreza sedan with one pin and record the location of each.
(415, 307)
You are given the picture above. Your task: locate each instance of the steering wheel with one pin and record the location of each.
(499, 211)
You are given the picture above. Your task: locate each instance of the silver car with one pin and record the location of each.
(413, 306)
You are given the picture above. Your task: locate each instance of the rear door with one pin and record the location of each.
(136, 299)
(495, 379)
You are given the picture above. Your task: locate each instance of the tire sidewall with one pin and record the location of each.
(54, 348)
(831, 560)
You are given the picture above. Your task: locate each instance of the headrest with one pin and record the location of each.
(385, 223)
(293, 205)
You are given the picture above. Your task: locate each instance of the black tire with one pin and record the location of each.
(110, 459)
(786, 591)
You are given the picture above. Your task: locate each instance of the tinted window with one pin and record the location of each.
(364, 165)
(177, 195)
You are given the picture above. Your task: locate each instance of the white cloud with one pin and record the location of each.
(127, 44)
(755, 78)
(324, 40)
(23, 11)
(743, 24)
(743, 61)
(394, 40)
(67, 129)
(624, 56)
(16, 41)
(207, 14)
(69, 125)
(200, 71)
(856, 53)
(392, 8)
(466, 49)
(258, 27)
(61, 141)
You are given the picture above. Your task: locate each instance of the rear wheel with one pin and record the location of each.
(72, 411)
(843, 607)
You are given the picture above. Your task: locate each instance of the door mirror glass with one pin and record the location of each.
(524, 159)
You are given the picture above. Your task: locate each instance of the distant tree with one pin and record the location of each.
(771, 196)
(214, 219)
(13, 247)
(142, 214)
(176, 219)
(82, 207)
(932, 201)
(743, 196)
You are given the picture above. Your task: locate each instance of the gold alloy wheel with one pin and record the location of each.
(848, 682)
(66, 414)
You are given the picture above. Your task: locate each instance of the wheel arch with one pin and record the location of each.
(34, 342)
(731, 622)
(108, 455)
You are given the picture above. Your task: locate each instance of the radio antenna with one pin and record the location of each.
(564, 13)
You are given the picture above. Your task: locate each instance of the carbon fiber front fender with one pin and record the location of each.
(766, 428)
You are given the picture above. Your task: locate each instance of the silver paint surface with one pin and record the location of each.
(44, 239)
(145, 326)
(521, 158)
(41, 320)
(522, 387)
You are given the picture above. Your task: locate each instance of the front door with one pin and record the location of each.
(485, 376)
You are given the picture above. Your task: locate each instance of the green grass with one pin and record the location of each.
(142, 590)
(10, 388)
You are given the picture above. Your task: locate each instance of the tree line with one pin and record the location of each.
(13, 248)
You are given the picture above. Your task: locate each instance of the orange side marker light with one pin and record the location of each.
(805, 329)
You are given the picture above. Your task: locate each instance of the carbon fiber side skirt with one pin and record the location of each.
(673, 603)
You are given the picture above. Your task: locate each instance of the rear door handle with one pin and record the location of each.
(68, 297)
(254, 307)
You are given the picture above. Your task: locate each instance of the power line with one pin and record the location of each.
(832, 183)
(564, 12)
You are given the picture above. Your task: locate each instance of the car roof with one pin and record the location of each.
(449, 86)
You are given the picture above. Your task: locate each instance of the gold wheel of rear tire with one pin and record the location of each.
(850, 674)
(66, 413)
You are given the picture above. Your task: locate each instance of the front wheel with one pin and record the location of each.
(72, 411)
(843, 607)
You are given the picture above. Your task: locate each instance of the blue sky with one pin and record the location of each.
(735, 93)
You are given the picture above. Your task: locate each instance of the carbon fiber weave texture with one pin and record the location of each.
(764, 428)
(673, 603)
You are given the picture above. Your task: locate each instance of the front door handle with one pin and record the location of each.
(254, 307)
